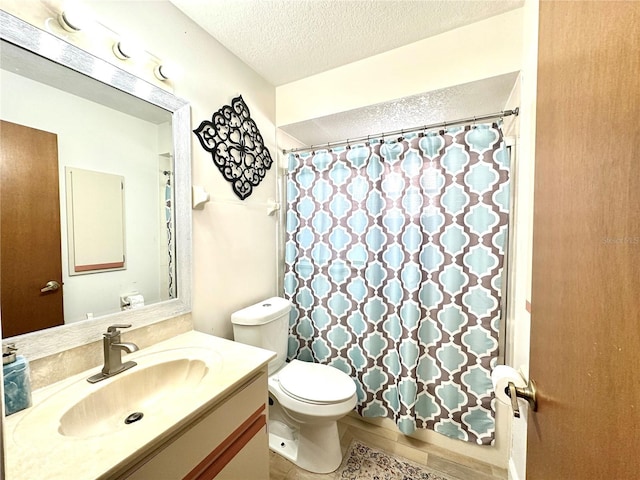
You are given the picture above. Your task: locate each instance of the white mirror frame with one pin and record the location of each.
(54, 340)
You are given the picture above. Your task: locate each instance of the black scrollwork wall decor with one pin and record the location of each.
(236, 146)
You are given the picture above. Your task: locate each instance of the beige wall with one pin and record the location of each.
(481, 50)
(234, 242)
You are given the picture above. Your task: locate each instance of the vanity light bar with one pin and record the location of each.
(73, 19)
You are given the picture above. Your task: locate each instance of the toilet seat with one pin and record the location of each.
(315, 383)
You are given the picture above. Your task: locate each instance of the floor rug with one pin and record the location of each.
(365, 463)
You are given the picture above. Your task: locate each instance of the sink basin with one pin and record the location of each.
(139, 391)
(163, 387)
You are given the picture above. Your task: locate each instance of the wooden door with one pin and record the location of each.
(585, 335)
(30, 230)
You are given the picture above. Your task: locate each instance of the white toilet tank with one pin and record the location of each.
(265, 325)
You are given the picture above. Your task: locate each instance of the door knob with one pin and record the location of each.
(528, 393)
(50, 286)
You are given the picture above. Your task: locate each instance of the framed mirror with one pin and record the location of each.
(144, 138)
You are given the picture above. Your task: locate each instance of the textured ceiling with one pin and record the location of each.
(286, 40)
(448, 104)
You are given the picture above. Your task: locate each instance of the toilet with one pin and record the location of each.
(305, 399)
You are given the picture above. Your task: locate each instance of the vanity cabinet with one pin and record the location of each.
(228, 443)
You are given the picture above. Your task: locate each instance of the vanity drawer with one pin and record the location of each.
(210, 445)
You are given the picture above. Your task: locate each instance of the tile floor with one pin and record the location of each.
(457, 467)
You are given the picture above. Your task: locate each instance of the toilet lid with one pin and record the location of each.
(316, 383)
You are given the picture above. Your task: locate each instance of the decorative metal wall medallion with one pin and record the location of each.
(236, 146)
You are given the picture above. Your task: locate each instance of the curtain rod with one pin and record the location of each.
(504, 113)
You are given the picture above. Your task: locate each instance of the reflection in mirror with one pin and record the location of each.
(66, 110)
(105, 144)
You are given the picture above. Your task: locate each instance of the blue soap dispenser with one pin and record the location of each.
(17, 384)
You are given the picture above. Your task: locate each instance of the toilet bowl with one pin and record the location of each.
(312, 397)
(305, 399)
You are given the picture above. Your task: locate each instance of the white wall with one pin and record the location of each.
(87, 139)
(519, 314)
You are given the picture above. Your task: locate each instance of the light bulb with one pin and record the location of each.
(168, 71)
(162, 72)
(125, 49)
(73, 18)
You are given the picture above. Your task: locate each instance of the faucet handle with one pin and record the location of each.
(113, 329)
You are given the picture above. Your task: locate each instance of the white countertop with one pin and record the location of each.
(34, 449)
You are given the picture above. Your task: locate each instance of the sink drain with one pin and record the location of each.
(134, 417)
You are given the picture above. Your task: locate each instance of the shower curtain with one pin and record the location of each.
(394, 259)
(167, 194)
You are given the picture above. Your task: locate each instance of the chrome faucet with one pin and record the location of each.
(113, 347)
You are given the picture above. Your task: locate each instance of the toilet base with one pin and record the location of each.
(282, 440)
(315, 449)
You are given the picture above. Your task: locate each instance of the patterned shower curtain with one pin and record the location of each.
(394, 259)
(168, 220)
